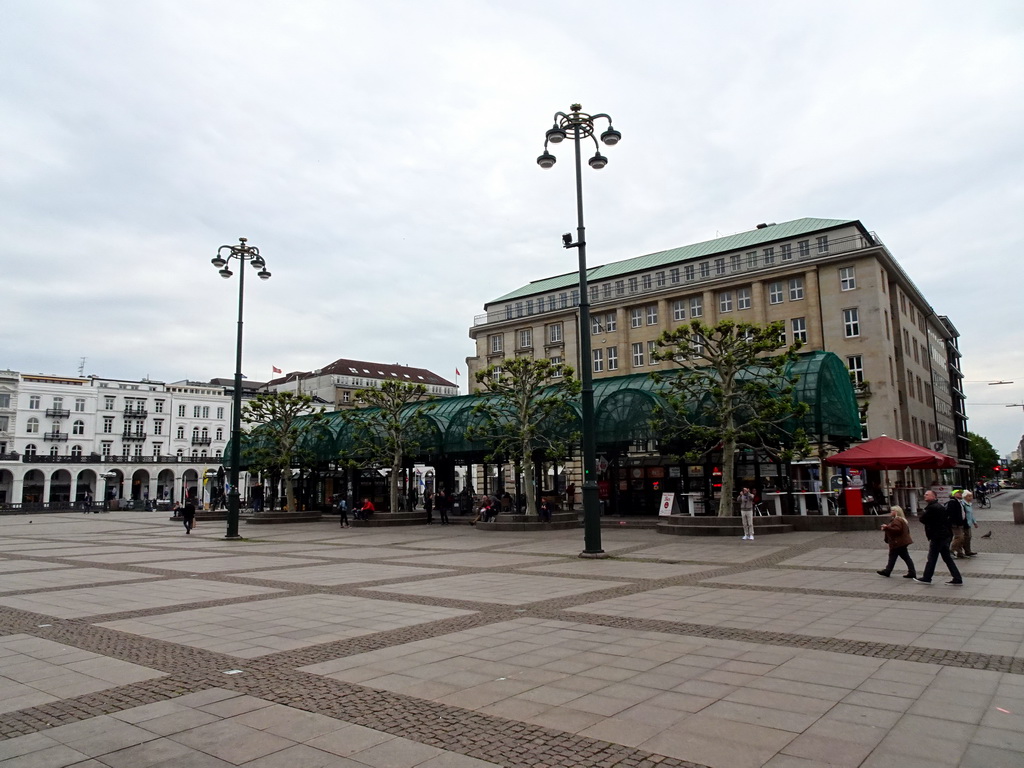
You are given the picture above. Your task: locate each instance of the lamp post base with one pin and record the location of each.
(599, 555)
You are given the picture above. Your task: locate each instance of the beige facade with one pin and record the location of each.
(834, 285)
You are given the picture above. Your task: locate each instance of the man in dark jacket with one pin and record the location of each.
(938, 527)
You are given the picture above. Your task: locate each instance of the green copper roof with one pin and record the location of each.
(786, 230)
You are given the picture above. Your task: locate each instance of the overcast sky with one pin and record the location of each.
(382, 157)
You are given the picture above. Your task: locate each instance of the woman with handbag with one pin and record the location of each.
(897, 536)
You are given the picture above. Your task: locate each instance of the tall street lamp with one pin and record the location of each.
(244, 253)
(579, 125)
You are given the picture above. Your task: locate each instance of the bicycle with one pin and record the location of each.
(983, 502)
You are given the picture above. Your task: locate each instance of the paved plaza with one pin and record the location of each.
(126, 643)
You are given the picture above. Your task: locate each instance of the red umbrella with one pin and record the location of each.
(889, 453)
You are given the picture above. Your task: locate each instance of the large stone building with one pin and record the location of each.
(337, 383)
(62, 437)
(833, 283)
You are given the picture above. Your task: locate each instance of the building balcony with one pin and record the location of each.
(55, 437)
(12, 456)
(135, 413)
(57, 413)
(200, 441)
(136, 437)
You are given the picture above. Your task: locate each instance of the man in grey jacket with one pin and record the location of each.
(938, 527)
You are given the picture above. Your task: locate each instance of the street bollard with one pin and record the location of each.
(1018, 513)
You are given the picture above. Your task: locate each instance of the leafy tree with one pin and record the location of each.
(276, 443)
(732, 392)
(529, 405)
(984, 456)
(388, 430)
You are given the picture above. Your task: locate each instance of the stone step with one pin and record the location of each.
(720, 526)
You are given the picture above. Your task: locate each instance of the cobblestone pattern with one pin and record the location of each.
(274, 677)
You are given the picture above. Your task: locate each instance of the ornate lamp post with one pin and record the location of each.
(221, 261)
(579, 125)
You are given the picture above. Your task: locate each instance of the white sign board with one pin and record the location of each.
(669, 505)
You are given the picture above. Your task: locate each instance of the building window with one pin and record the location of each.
(674, 274)
(54, 450)
(719, 266)
(5, 400)
(620, 287)
(610, 322)
(76, 451)
(652, 351)
(195, 411)
(782, 336)
(632, 285)
(769, 256)
(613, 358)
(106, 449)
(645, 282)
(775, 293)
(526, 338)
(563, 300)
(598, 355)
(574, 296)
(30, 450)
(80, 404)
(108, 403)
(847, 279)
(917, 358)
(742, 298)
(688, 272)
(863, 422)
(752, 259)
(596, 325)
(705, 269)
(697, 306)
(796, 289)
(195, 434)
(181, 411)
(855, 364)
(606, 291)
(181, 433)
(851, 322)
(346, 396)
(220, 433)
(156, 450)
(33, 403)
(32, 427)
(556, 362)
(736, 262)
(659, 279)
(786, 252)
(804, 247)
(529, 306)
(678, 309)
(638, 354)
(652, 314)
(497, 342)
(920, 389)
(206, 411)
(725, 301)
(799, 329)
(78, 428)
(220, 412)
(158, 426)
(823, 244)
(697, 343)
(158, 406)
(555, 333)
(636, 318)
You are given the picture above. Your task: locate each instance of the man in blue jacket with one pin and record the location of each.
(938, 527)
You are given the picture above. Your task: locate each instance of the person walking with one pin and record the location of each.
(570, 495)
(969, 524)
(87, 503)
(958, 519)
(938, 527)
(428, 506)
(343, 512)
(188, 516)
(746, 501)
(444, 505)
(897, 536)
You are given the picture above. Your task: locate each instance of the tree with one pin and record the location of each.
(282, 420)
(530, 404)
(732, 392)
(388, 430)
(983, 455)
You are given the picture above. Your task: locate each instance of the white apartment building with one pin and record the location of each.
(63, 437)
(336, 383)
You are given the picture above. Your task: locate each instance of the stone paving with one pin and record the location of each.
(124, 642)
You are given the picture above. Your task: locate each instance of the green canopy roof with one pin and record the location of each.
(624, 407)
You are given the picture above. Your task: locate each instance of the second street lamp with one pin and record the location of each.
(578, 125)
(222, 261)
